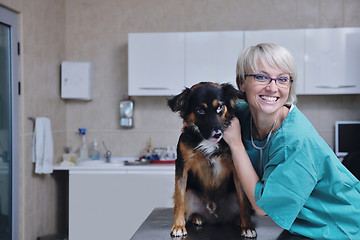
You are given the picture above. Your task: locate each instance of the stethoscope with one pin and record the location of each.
(262, 147)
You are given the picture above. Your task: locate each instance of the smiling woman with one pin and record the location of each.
(271, 55)
(266, 98)
(286, 169)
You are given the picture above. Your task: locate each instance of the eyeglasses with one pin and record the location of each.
(263, 79)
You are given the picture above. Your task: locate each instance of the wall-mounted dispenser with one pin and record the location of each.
(76, 80)
(126, 112)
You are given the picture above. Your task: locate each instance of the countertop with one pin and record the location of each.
(159, 223)
(117, 165)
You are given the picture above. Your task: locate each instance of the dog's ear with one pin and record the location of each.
(178, 102)
(230, 96)
(230, 92)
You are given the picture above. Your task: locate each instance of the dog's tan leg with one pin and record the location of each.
(178, 228)
(247, 228)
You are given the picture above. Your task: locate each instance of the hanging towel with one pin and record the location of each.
(43, 149)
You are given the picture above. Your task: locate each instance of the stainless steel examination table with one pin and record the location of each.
(158, 224)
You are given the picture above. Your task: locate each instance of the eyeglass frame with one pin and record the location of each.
(269, 79)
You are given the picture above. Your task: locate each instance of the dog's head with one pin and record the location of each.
(207, 107)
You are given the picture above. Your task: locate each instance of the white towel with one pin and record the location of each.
(43, 149)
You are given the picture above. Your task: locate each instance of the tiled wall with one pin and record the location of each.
(41, 33)
(96, 31)
(323, 111)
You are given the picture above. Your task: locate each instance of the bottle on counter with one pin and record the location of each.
(84, 153)
(68, 157)
(95, 153)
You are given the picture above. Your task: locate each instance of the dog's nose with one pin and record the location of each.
(216, 134)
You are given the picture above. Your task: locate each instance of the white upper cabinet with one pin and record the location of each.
(212, 56)
(292, 40)
(156, 64)
(332, 61)
(162, 64)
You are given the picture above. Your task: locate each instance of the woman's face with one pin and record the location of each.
(266, 98)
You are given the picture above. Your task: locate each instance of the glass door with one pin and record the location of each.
(8, 126)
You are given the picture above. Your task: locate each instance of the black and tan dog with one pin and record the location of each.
(206, 185)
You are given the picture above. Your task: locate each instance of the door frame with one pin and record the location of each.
(9, 18)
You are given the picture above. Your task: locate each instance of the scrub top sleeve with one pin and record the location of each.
(283, 194)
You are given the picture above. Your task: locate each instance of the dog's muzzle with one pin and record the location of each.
(216, 136)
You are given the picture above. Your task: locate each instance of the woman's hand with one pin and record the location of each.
(232, 134)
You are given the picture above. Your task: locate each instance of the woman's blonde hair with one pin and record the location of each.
(271, 54)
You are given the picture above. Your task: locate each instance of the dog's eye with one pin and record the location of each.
(220, 108)
(200, 111)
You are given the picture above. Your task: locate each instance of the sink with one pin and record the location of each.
(114, 162)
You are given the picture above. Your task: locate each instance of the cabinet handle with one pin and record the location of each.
(335, 87)
(154, 88)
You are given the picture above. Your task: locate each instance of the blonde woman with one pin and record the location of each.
(287, 170)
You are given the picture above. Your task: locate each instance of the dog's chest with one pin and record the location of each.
(211, 164)
(215, 167)
(207, 147)
(212, 172)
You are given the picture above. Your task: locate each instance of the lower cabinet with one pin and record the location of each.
(113, 206)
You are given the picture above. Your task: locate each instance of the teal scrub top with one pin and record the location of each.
(304, 187)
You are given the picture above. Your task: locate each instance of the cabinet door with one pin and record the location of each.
(113, 206)
(156, 63)
(332, 59)
(292, 40)
(212, 56)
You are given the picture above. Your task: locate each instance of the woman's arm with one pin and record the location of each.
(245, 171)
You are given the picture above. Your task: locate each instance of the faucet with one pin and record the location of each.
(107, 154)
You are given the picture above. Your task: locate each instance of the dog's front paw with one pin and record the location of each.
(248, 233)
(197, 220)
(178, 231)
